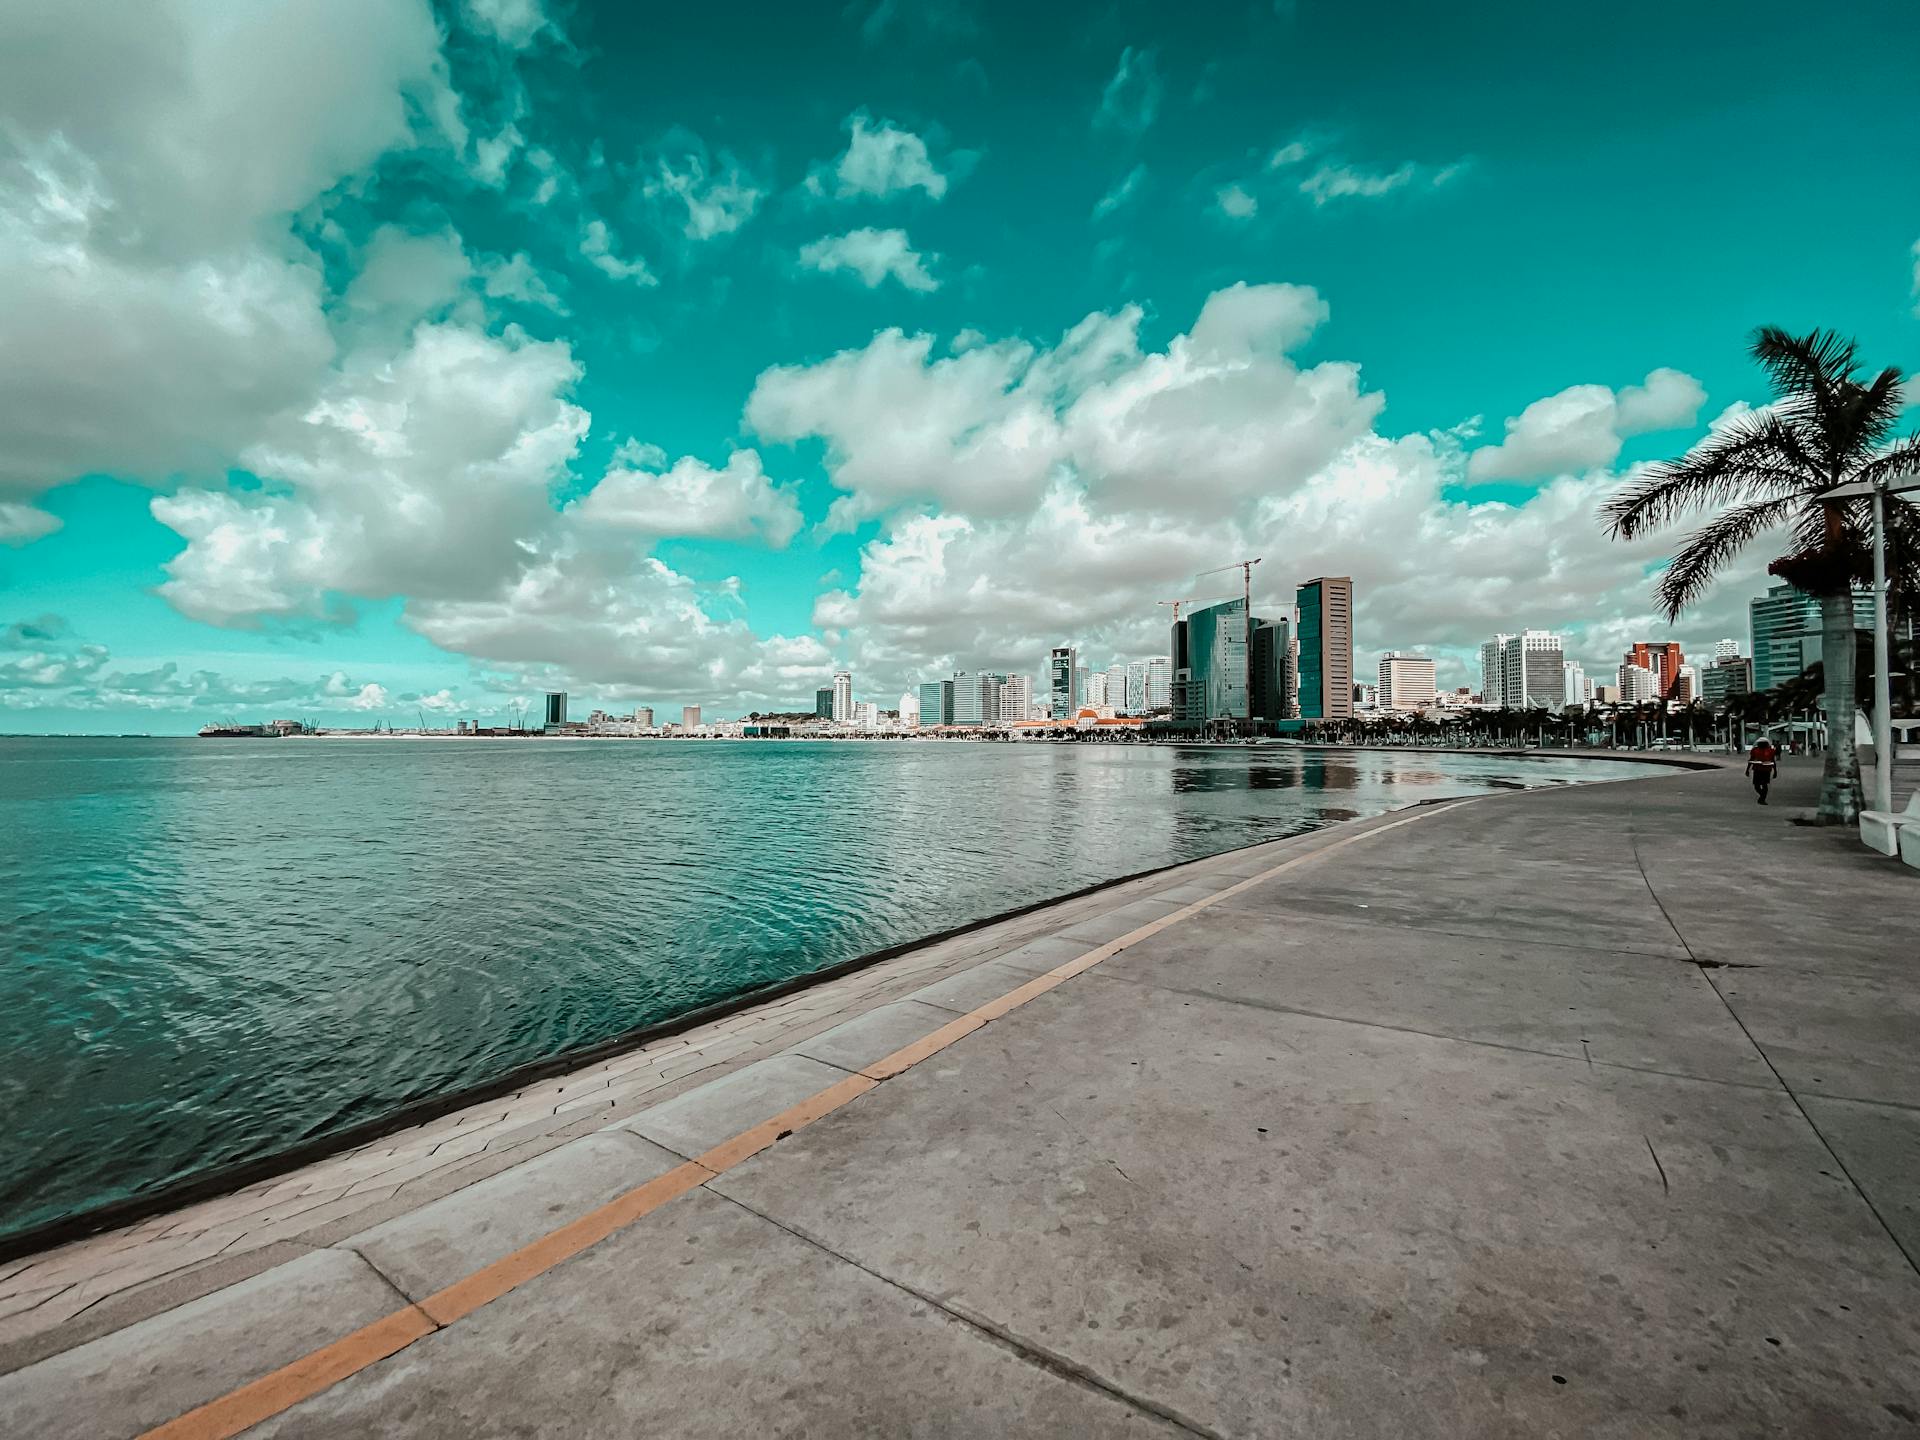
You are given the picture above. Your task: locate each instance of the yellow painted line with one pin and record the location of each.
(290, 1384)
(326, 1367)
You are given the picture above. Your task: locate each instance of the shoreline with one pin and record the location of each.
(191, 1190)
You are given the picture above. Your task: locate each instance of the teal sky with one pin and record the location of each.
(362, 358)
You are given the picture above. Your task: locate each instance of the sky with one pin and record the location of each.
(363, 360)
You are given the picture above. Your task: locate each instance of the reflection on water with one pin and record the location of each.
(217, 949)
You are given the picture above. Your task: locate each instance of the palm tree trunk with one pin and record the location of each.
(1840, 791)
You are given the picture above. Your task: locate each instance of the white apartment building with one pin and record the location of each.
(1524, 671)
(1407, 681)
(1638, 684)
(843, 695)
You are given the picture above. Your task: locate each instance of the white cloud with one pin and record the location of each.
(715, 204)
(1131, 100)
(881, 159)
(425, 476)
(1220, 414)
(597, 245)
(21, 524)
(873, 255)
(1120, 194)
(691, 499)
(515, 24)
(1581, 428)
(1032, 496)
(515, 278)
(1236, 203)
(1334, 182)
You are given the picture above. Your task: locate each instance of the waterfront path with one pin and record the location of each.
(1591, 1111)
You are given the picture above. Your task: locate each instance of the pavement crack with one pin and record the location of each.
(1035, 1354)
(406, 1300)
(1665, 1189)
(1706, 973)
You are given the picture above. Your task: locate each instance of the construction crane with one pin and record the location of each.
(1245, 567)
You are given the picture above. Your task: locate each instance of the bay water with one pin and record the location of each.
(217, 949)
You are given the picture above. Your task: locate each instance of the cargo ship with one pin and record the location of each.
(272, 730)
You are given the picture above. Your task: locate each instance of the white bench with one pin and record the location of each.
(1888, 830)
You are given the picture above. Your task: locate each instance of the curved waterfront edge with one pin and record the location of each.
(190, 1190)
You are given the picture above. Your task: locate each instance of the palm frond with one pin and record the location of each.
(1897, 462)
(1759, 452)
(1817, 363)
(1708, 550)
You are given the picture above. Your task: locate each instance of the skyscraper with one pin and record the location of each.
(1117, 689)
(1726, 649)
(1638, 684)
(690, 717)
(1063, 667)
(556, 708)
(1212, 683)
(823, 703)
(1533, 671)
(936, 703)
(1095, 691)
(1575, 686)
(1727, 676)
(1272, 657)
(1016, 699)
(1785, 627)
(1492, 670)
(1407, 681)
(842, 695)
(1326, 648)
(1662, 657)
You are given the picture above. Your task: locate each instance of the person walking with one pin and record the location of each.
(1762, 761)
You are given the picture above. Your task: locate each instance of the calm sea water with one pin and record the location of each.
(216, 949)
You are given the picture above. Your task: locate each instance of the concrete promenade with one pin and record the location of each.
(1589, 1111)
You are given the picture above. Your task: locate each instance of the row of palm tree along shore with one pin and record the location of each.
(1829, 425)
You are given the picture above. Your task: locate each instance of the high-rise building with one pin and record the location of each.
(1726, 677)
(1493, 670)
(643, 717)
(909, 708)
(1785, 628)
(1063, 667)
(1407, 681)
(1094, 689)
(1686, 685)
(1574, 687)
(936, 703)
(842, 695)
(556, 708)
(976, 697)
(1662, 657)
(1210, 664)
(1016, 699)
(690, 717)
(1532, 671)
(823, 703)
(1326, 648)
(1272, 659)
(1726, 649)
(1117, 689)
(866, 716)
(1638, 684)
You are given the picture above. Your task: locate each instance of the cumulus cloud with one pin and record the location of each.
(875, 256)
(981, 430)
(1235, 203)
(516, 24)
(713, 204)
(597, 246)
(1131, 100)
(881, 159)
(1581, 428)
(1029, 496)
(691, 499)
(425, 476)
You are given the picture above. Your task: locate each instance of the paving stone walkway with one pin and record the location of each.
(1586, 1111)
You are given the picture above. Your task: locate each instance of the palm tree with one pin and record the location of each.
(1828, 426)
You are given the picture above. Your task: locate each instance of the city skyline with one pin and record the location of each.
(388, 357)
